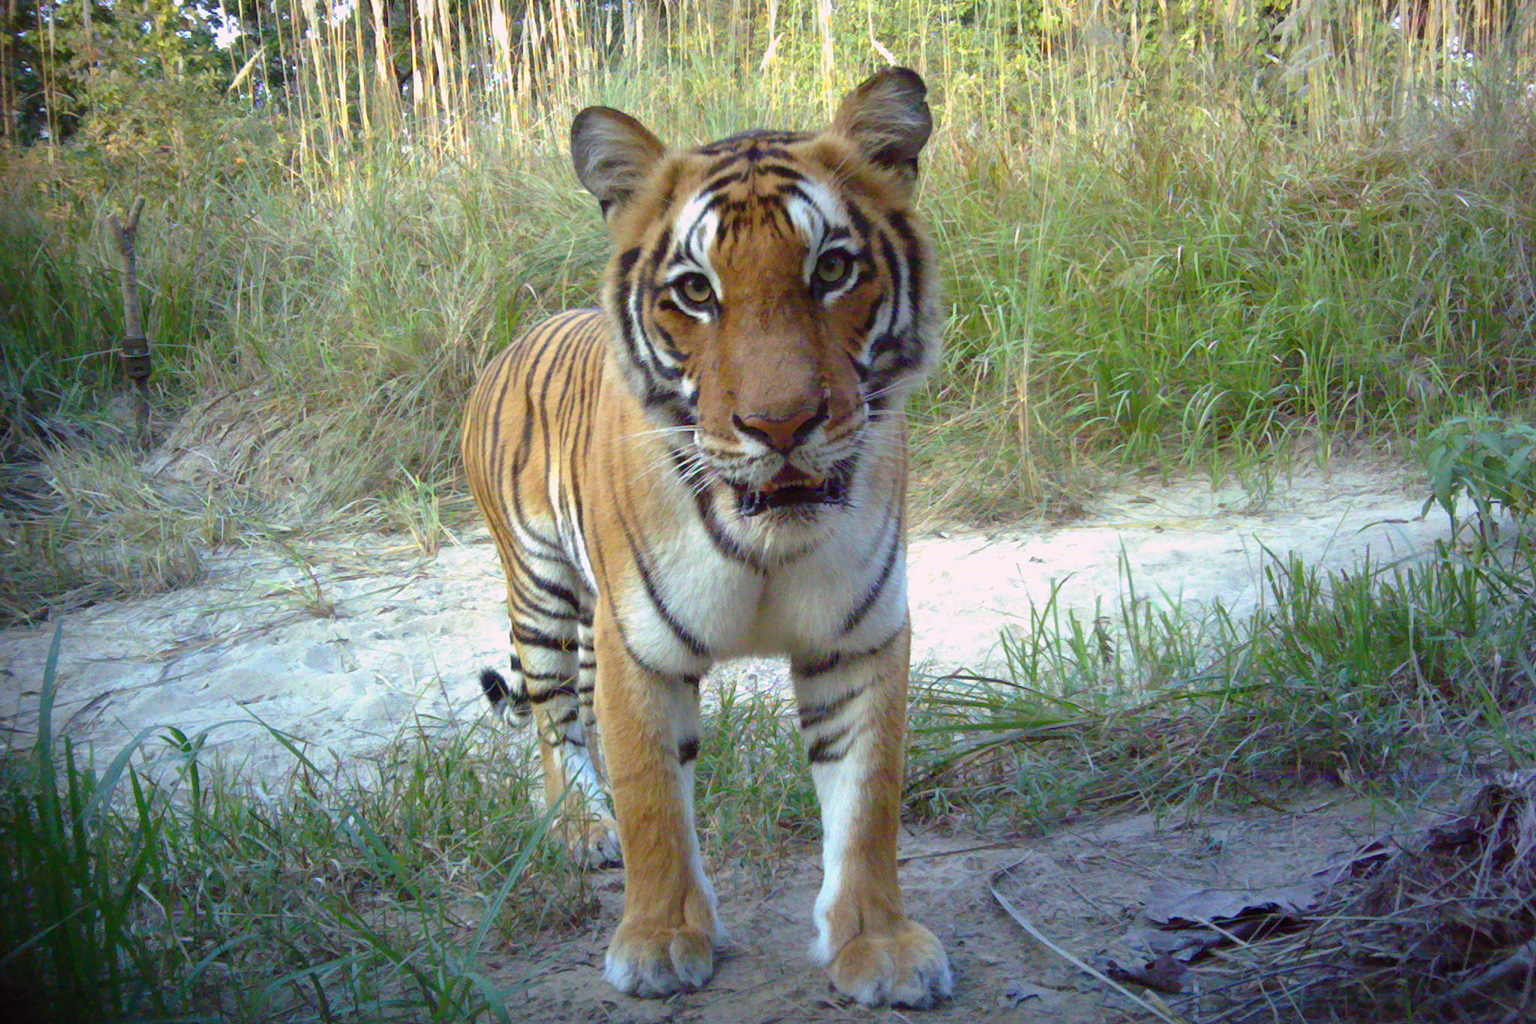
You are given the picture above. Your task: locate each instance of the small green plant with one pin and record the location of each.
(417, 509)
(1490, 459)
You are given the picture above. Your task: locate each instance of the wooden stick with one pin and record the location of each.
(134, 355)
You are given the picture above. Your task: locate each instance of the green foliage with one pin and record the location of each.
(132, 71)
(1490, 459)
(754, 794)
(146, 72)
(163, 887)
(70, 946)
(1362, 677)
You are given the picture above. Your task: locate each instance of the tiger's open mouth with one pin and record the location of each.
(791, 489)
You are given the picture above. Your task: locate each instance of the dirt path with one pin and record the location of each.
(1081, 888)
(344, 648)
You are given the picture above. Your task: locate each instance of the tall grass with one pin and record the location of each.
(1172, 235)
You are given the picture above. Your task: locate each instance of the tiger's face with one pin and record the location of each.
(771, 293)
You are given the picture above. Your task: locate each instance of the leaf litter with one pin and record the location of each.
(1437, 925)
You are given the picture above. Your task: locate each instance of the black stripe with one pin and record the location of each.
(875, 308)
(695, 646)
(812, 715)
(538, 638)
(916, 267)
(547, 677)
(704, 505)
(793, 189)
(873, 594)
(835, 659)
(821, 751)
(629, 648)
(779, 171)
(883, 345)
(721, 164)
(670, 347)
(558, 591)
(548, 695)
(862, 226)
(821, 666)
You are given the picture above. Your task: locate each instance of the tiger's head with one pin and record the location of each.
(772, 294)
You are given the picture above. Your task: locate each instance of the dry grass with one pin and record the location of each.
(1439, 926)
(1192, 239)
(85, 524)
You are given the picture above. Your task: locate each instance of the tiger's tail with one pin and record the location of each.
(503, 697)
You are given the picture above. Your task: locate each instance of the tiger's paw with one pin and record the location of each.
(906, 966)
(651, 960)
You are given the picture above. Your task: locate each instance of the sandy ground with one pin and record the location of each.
(345, 645)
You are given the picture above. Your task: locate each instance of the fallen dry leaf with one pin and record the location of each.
(1178, 905)
(1165, 974)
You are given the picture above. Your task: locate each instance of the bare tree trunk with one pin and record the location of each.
(134, 355)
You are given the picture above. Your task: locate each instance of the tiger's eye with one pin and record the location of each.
(695, 289)
(832, 267)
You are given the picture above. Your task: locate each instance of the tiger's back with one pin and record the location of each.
(527, 410)
(526, 433)
(715, 465)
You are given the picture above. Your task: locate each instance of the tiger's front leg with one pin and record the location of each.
(649, 726)
(853, 717)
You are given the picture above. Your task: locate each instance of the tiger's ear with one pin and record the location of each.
(887, 118)
(613, 153)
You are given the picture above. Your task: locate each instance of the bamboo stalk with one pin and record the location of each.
(824, 26)
(516, 59)
(386, 87)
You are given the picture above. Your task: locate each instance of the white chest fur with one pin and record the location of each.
(845, 591)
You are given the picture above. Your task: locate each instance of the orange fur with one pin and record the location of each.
(714, 464)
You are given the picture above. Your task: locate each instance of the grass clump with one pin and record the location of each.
(753, 790)
(1371, 677)
(161, 886)
(84, 523)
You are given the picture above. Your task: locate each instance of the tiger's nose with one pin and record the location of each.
(782, 435)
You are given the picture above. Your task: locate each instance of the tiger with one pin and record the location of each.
(713, 464)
